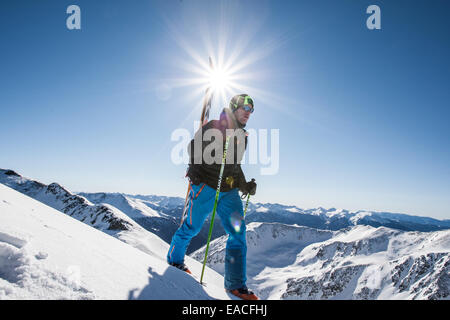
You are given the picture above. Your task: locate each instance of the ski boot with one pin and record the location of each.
(181, 266)
(243, 293)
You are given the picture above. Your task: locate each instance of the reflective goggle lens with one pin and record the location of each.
(248, 108)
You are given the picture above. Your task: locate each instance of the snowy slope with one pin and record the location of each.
(45, 254)
(360, 262)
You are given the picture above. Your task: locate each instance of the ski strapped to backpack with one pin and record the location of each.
(209, 94)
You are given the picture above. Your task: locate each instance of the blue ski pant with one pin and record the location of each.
(231, 213)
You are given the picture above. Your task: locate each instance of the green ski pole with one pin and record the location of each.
(215, 206)
(246, 203)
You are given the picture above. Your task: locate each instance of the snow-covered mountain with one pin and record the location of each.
(103, 217)
(46, 254)
(161, 215)
(335, 219)
(359, 262)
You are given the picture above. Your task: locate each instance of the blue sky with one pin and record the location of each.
(363, 114)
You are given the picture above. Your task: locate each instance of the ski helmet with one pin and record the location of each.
(240, 100)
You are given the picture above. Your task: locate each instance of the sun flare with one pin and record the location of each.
(219, 79)
(234, 54)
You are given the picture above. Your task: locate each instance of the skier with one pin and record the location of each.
(203, 178)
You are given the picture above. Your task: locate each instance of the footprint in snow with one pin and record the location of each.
(41, 255)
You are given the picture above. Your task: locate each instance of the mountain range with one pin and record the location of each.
(161, 214)
(293, 253)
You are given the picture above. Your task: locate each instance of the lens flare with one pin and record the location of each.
(236, 222)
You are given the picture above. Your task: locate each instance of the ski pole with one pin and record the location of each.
(246, 205)
(215, 206)
(248, 198)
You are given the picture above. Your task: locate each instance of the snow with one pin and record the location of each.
(45, 254)
(358, 216)
(133, 208)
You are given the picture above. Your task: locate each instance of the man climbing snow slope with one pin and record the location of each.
(203, 173)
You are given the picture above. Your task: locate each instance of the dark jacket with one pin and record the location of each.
(204, 168)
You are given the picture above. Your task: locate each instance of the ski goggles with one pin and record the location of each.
(248, 108)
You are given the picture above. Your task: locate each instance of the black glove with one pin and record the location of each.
(249, 188)
(194, 175)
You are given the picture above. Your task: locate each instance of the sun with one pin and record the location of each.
(215, 77)
(219, 79)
